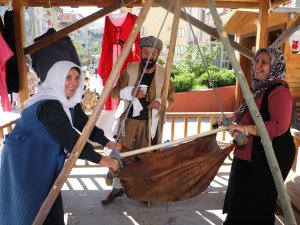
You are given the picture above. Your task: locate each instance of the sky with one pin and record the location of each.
(85, 11)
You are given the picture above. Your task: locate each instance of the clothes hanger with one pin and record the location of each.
(123, 11)
(51, 18)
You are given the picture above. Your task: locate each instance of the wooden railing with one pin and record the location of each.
(186, 116)
(212, 116)
(296, 135)
(6, 128)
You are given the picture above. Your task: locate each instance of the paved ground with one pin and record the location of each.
(85, 188)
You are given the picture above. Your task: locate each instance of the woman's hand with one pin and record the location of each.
(220, 121)
(111, 144)
(236, 127)
(111, 163)
(229, 118)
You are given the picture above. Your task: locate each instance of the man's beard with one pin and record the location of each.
(150, 64)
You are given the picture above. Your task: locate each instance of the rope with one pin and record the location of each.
(239, 137)
(205, 64)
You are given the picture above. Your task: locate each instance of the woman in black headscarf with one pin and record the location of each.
(251, 193)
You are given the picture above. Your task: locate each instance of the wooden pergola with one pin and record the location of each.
(109, 6)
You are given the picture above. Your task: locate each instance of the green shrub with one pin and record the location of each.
(193, 62)
(220, 78)
(197, 87)
(183, 82)
(176, 70)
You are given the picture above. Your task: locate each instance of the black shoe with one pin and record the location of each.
(115, 193)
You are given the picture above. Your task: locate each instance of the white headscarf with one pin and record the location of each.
(54, 87)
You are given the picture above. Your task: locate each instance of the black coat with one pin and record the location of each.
(62, 49)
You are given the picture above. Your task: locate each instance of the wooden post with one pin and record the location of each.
(262, 25)
(20, 43)
(266, 142)
(45, 208)
(170, 58)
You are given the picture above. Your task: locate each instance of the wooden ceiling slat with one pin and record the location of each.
(249, 20)
(186, 3)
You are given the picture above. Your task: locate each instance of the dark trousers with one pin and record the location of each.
(56, 214)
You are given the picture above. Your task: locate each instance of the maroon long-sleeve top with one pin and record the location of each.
(280, 103)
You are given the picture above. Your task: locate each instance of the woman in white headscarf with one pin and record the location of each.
(35, 151)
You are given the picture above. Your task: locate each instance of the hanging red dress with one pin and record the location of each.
(116, 31)
(5, 54)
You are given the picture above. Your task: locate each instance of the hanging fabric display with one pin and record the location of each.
(5, 54)
(62, 49)
(116, 31)
(12, 73)
(2, 27)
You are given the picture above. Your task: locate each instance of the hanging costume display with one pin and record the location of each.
(116, 31)
(12, 73)
(2, 27)
(5, 54)
(62, 49)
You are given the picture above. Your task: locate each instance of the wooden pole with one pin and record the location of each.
(44, 210)
(286, 34)
(207, 29)
(178, 141)
(266, 142)
(20, 43)
(170, 58)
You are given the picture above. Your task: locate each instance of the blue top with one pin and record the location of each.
(33, 156)
(28, 167)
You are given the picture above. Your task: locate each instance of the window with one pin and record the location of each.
(179, 49)
(222, 60)
(180, 32)
(143, 31)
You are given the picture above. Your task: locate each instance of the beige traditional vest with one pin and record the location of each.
(133, 74)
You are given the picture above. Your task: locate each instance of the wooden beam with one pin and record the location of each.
(20, 43)
(262, 25)
(234, 4)
(276, 3)
(265, 139)
(45, 208)
(286, 34)
(65, 31)
(207, 29)
(250, 4)
(173, 37)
